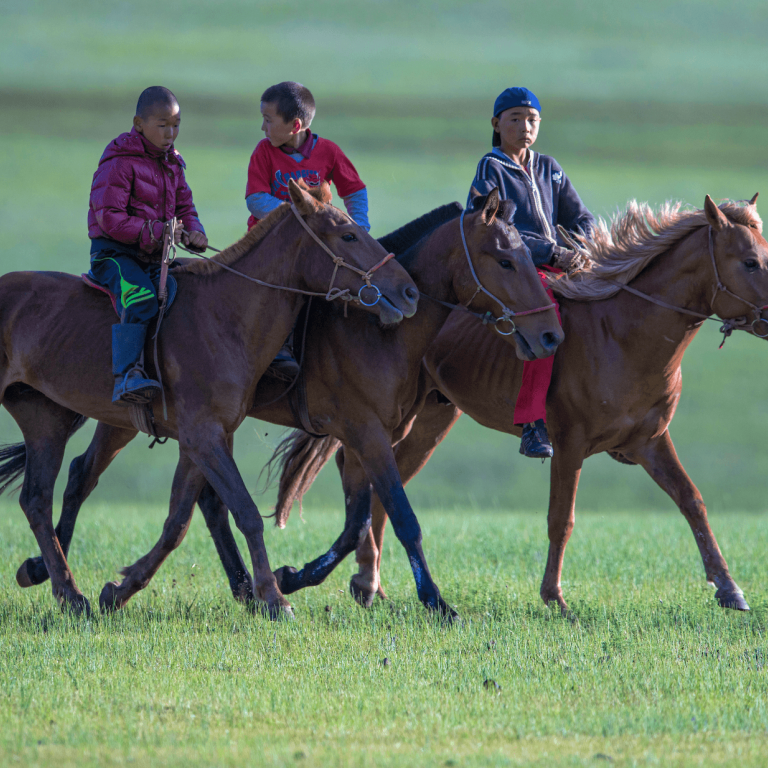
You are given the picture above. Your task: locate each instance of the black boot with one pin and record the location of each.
(535, 443)
(132, 385)
(284, 366)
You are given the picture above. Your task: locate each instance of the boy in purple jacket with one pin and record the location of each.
(138, 186)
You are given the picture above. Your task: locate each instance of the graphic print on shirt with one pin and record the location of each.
(279, 184)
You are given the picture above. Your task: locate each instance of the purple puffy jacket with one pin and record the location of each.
(135, 188)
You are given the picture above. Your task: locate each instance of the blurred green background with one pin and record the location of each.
(654, 101)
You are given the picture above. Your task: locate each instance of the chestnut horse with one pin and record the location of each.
(218, 340)
(363, 384)
(617, 377)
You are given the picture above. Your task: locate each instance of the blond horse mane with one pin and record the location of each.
(621, 250)
(254, 236)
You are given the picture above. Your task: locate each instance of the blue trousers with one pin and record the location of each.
(134, 283)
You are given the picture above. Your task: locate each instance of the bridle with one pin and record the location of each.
(728, 325)
(506, 313)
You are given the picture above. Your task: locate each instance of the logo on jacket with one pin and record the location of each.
(557, 176)
(280, 184)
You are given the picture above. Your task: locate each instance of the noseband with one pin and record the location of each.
(506, 313)
(729, 325)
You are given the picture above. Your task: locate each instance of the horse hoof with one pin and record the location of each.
(31, 572)
(285, 583)
(731, 599)
(77, 605)
(108, 599)
(279, 612)
(446, 613)
(362, 596)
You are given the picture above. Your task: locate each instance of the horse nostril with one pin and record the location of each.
(549, 340)
(411, 292)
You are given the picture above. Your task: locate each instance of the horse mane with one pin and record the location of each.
(254, 236)
(399, 241)
(623, 248)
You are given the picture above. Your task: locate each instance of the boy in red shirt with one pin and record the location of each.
(291, 151)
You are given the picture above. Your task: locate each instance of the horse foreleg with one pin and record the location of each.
(412, 453)
(563, 484)
(375, 454)
(46, 426)
(84, 473)
(357, 495)
(217, 519)
(188, 480)
(210, 449)
(660, 461)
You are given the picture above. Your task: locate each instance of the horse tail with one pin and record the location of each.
(299, 457)
(13, 459)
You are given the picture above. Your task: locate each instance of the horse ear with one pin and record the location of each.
(754, 199)
(301, 198)
(715, 216)
(491, 207)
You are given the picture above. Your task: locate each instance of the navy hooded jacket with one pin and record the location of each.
(542, 200)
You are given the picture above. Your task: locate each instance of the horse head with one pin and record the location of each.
(500, 280)
(354, 264)
(739, 256)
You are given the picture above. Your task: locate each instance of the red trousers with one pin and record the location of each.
(531, 402)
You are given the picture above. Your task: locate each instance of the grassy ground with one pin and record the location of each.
(664, 100)
(652, 673)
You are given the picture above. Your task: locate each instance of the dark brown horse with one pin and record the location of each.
(617, 377)
(363, 384)
(216, 343)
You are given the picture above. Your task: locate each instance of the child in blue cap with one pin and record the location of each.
(544, 197)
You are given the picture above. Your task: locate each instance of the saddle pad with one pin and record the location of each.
(87, 280)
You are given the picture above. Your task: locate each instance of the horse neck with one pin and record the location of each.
(682, 277)
(278, 260)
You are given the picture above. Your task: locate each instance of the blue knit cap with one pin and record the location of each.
(515, 97)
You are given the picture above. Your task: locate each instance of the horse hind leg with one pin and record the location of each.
(660, 461)
(188, 481)
(357, 495)
(84, 473)
(216, 518)
(46, 427)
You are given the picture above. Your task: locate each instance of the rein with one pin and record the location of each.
(332, 293)
(728, 325)
(488, 319)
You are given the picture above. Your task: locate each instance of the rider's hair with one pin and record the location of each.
(291, 100)
(153, 97)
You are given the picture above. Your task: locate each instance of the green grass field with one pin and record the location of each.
(652, 673)
(658, 101)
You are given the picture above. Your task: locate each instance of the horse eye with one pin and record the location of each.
(505, 264)
(348, 238)
(750, 264)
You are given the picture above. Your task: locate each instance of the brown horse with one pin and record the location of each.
(363, 384)
(617, 378)
(216, 343)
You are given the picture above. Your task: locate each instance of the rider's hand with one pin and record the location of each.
(569, 261)
(196, 240)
